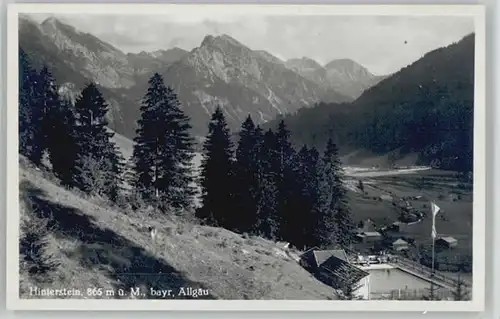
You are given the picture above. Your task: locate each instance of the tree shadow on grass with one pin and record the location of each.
(127, 264)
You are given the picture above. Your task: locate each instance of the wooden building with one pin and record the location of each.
(333, 268)
(446, 242)
(369, 237)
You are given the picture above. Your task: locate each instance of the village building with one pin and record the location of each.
(369, 237)
(446, 242)
(333, 268)
(400, 245)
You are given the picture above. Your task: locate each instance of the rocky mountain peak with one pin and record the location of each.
(52, 25)
(269, 57)
(223, 41)
(348, 66)
(221, 71)
(51, 21)
(169, 56)
(308, 62)
(303, 64)
(95, 58)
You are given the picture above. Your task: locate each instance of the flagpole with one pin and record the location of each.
(433, 244)
(433, 212)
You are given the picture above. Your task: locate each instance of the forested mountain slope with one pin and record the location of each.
(425, 108)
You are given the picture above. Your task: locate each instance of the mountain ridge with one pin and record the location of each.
(425, 108)
(220, 71)
(341, 75)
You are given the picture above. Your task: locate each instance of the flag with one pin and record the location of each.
(435, 209)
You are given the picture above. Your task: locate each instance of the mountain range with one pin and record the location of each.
(219, 72)
(342, 75)
(425, 109)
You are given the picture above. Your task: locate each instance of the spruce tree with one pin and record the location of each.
(267, 218)
(61, 140)
(46, 101)
(46, 121)
(29, 114)
(217, 178)
(164, 149)
(308, 200)
(336, 224)
(286, 181)
(302, 199)
(246, 175)
(95, 150)
(117, 166)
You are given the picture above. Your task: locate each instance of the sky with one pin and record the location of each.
(383, 44)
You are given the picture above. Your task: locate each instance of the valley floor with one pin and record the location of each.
(383, 197)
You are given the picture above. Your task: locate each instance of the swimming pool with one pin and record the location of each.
(386, 280)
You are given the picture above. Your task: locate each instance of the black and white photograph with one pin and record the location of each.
(252, 152)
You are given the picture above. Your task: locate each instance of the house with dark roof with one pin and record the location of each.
(369, 237)
(447, 242)
(368, 233)
(333, 268)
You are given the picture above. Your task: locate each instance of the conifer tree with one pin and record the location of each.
(117, 166)
(308, 200)
(267, 218)
(246, 175)
(46, 121)
(164, 149)
(95, 151)
(29, 115)
(336, 216)
(217, 178)
(47, 100)
(61, 140)
(302, 199)
(286, 181)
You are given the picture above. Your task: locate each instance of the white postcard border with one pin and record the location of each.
(477, 304)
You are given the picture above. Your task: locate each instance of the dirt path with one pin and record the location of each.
(360, 172)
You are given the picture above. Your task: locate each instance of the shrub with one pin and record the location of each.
(92, 174)
(33, 254)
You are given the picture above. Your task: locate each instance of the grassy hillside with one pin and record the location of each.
(70, 240)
